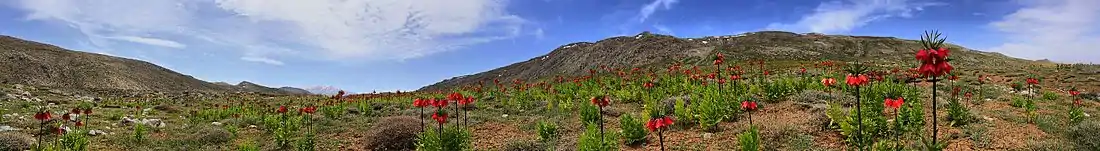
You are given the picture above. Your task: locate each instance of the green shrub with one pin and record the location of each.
(1050, 96)
(710, 112)
(590, 140)
(453, 138)
(334, 111)
(305, 143)
(749, 140)
(212, 135)
(775, 91)
(683, 112)
(1076, 115)
(958, 114)
(248, 146)
(74, 141)
(547, 131)
(875, 127)
(633, 129)
(1085, 135)
(1018, 102)
(590, 114)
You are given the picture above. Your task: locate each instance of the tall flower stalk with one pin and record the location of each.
(895, 104)
(659, 125)
(934, 63)
(600, 102)
(857, 79)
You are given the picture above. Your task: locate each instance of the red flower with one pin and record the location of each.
(66, 116)
(79, 123)
(600, 101)
(1032, 81)
(766, 72)
(420, 103)
(42, 116)
(735, 77)
(802, 70)
(828, 82)
(438, 103)
(87, 111)
(717, 62)
(647, 84)
(339, 95)
(468, 100)
(75, 111)
(308, 110)
(659, 123)
(933, 62)
(721, 81)
(454, 96)
(748, 105)
(953, 78)
(967, 95)
(1077, 102)
(282, 109)
(440, 117)
(59, 130)
(1074, 93)
(853, 80)
(894, 103)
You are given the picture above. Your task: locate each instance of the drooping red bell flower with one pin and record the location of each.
(466, 100)
(1074, 93)
(439, 103)
(748, 105)
(933, 62)
(87, 111)
(802, 70)
(420, 103)
(601, 101)
(854, 80)
(59, 130)
(659, 123)
(894, 103)
(66, 116)
(440, 117)
(967, 95)
(79, 123)
(953, 77)
(735, 77)
(42, 116)
(721, 81)
(75, 111)
(454, 96)
(717, 62)
(647, 85)
(1032, 81)
(282, 109)
(828, 82)
(308, 110)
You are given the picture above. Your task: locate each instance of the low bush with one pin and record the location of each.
(452, 138)
(393, 133)
(633, 129)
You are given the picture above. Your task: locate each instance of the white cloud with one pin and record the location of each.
(332, 29)
(262, 60)
(843, 16)
(1060, 30)
(150, 41)
(539, 33)
(664, 29)
(652, 7)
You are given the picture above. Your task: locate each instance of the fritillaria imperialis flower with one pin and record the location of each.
(748, 105)
(828, 82)
(894, 103)
(856, 80)
(308, 110)
(42, 116)
(934, 62)
(440, 117)
(282, 109)
(466, 101)
(600, 101)
(659, 123)
(1032, 81)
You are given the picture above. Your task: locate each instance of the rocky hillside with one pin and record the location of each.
(659, 51)
(38, 64)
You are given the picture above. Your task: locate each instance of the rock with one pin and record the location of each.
(216, 123)
(504, 116)
(8, 128)
(251, 126)
(708, 136)
(670, 102)
(96, 132)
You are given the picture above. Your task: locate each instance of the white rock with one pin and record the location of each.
(707, 136)
(96, 132)
(1087, 114)
(8, 128)
(505, 115)
(251, 126)
(216, 123)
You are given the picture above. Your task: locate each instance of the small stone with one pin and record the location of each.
(504, 116)
(216, 123)
(96, 132)
(8, 128)
(708, 136)
(251, 126)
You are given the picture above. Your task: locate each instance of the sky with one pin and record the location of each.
(386, 45)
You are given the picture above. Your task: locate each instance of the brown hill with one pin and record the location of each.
(653, 50)
(33, 63)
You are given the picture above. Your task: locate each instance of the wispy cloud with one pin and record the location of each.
(262, 60)
(1060, 30)
(333, 29)
(652, 7)
(843, 16)
(663, 29)
(150, 41)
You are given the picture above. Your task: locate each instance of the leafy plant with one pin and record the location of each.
(633, 130)
(452, 139)
(305, 143)
(1076, 115)
(74, 141)
(590, 114)
(1050, 96)
(590, 141)
(958, 114)
(334, 111)
(749, 140)
(710, 112)
(547, 131)
(682, 111)
(247, 146)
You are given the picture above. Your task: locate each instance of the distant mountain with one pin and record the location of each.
(656, 51)
(33, 63)
(323, 90)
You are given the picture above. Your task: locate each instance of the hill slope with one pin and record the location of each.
(33, 63)
(652, 50)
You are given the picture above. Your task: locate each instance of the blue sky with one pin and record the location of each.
(385, 45)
